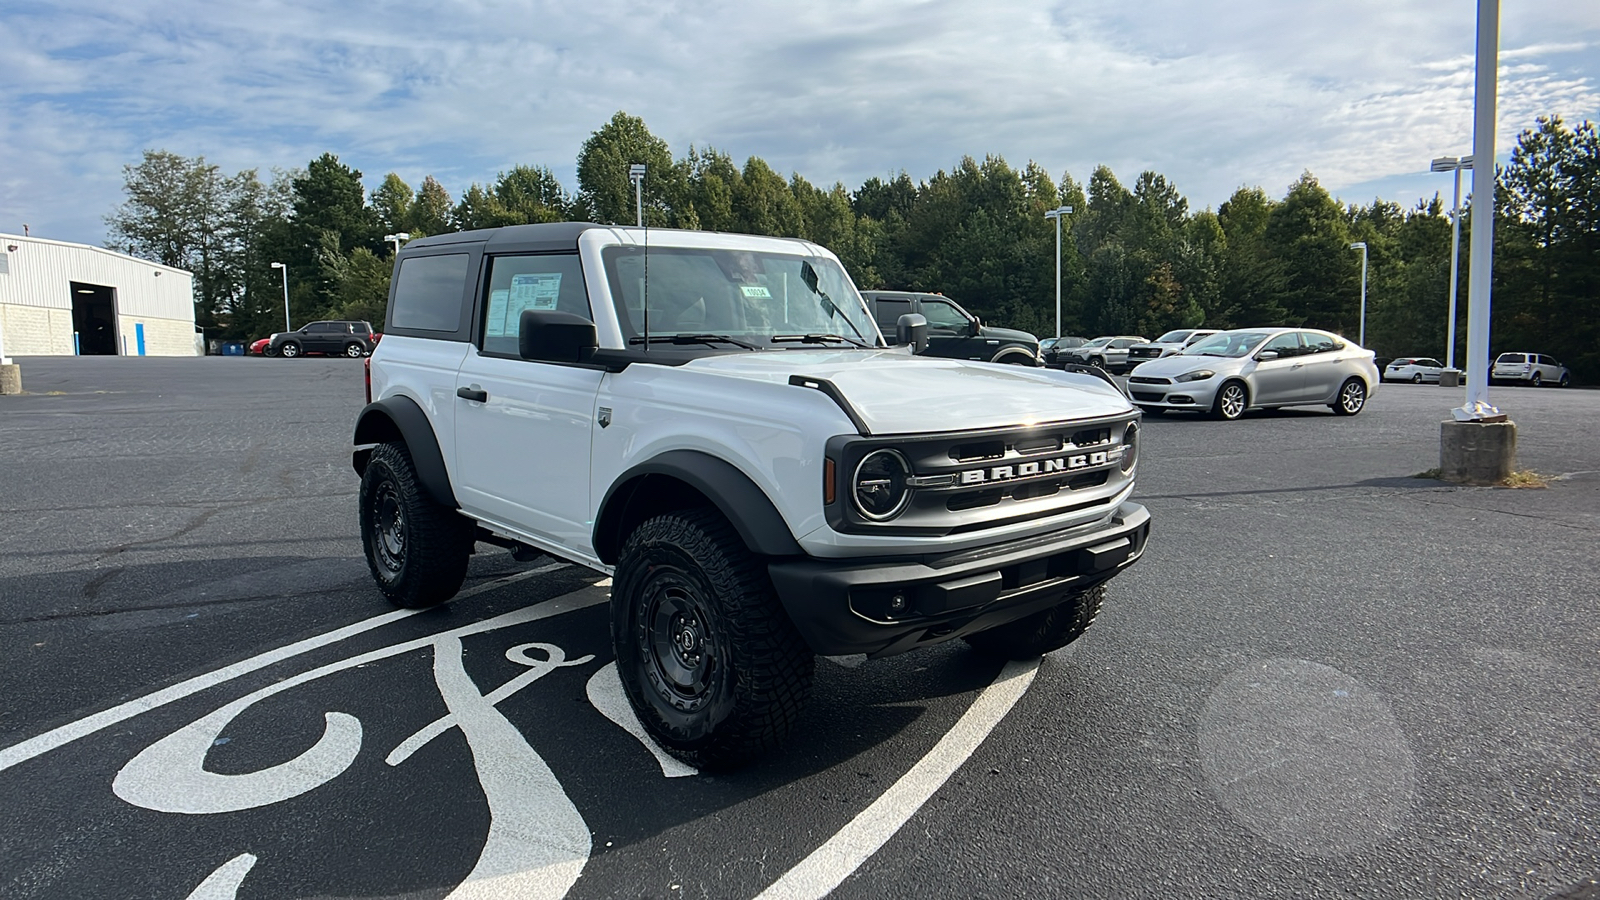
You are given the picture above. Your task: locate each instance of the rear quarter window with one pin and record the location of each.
(428, 292)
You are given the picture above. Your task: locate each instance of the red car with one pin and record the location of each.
(259, 348)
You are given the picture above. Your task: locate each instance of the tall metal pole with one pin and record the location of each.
(1455, 268)
(285, 269)
(636, 174)
(1362, 246)
(1058, 276)
(1480, 274)
(1056, 214)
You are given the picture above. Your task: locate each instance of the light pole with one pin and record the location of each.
(1362, 246)
(636, 175)
(285, 269)
(1452, 164)
(396, 239)
(1056, 214)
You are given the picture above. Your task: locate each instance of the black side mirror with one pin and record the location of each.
(912, 328)
(560, 337)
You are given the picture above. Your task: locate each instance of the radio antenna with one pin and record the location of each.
(636, 175)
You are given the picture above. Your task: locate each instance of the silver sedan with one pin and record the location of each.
(1232, 371)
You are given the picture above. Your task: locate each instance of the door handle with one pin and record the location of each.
(473, 394)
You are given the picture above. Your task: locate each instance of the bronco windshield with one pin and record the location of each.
(1230, 344)
(751, 296)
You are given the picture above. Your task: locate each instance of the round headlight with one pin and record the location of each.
(879, 487)
(1130, 447)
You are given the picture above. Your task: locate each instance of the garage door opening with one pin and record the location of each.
(94, 319)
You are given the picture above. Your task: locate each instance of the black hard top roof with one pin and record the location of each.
(544, 237)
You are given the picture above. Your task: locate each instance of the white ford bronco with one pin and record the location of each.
(716, 421)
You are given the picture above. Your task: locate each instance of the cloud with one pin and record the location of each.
(1213, 95)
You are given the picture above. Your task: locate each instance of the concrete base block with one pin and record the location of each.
(11, 379)
(1477, 452)
(1449, 378)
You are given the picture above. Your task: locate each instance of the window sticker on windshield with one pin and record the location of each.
(496, 326)
(537, 290)
(755, 292)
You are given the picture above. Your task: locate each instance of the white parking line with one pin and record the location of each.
(830, 864)
(66, 734)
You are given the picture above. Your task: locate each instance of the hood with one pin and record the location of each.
(897, 393)
(1007, 334)
(1170, 366)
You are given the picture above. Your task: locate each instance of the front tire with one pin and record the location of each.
(1099, 362)
(290, 350)
(1033, 636)
(416, 548)
(711, 663)
(1352, 397)
(1232, 400)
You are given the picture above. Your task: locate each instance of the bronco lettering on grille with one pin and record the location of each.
(1034, 468)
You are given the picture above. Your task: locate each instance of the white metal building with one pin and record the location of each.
(57, 299)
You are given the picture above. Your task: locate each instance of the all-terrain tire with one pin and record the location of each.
(711, 663)
(416, 548)
(1051, 629)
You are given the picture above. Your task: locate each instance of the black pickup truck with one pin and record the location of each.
(952, 331)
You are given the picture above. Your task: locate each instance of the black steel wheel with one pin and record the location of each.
(1232, 400)
(353, 350)
(416, 548)
(710, 661)
(1051, 629)
(1352, 397)
(290, 349)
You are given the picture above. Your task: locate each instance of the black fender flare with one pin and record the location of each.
(399, 419)
(739, 499)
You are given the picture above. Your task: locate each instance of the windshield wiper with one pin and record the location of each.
(694, 339)
(817, 339)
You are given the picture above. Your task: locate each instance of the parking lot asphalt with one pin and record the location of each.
(1326, 678)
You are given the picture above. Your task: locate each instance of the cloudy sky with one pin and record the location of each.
(1212, 94)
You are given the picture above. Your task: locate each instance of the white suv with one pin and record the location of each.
(716, 421)
(1529, 368)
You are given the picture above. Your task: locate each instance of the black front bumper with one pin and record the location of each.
(884, 606)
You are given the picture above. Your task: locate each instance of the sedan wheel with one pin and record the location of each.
(1352, 397)
(1231, 401)
(1417, 378)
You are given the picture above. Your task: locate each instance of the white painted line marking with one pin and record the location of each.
(607, 697)
(66, 734)
(830, 864)
(849, 660)
(223, 884)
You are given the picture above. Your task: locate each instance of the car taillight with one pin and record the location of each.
(366, 365)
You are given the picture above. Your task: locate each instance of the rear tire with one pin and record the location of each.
(416, 548)
(710, 661)
(1537, 379)
(1417, 378)
(354, 351)
(1352, 397)
(1033, 636)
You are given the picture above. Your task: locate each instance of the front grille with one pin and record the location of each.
(1148, 397)
(1141, 379)
(1144, 354)
(971, 482)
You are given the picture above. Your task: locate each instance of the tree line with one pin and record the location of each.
(1134, 259)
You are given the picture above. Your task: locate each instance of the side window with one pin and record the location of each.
(1122, 343)
(427, 294)
(943, 317)
(888, 313)
(517, 283)
(1285, 344)
(1318, 343)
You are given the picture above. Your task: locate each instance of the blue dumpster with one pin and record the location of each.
(233, 348)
